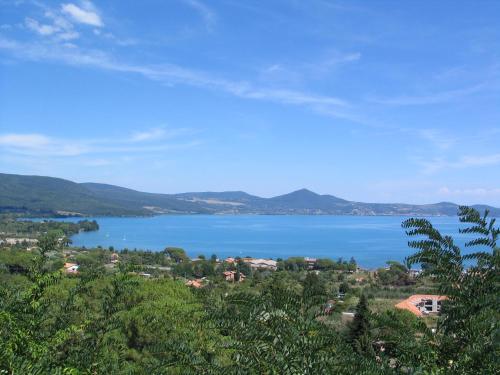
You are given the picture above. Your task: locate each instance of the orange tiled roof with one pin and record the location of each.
(194, 283)
(411, 302)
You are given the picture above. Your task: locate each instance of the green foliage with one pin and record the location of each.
(38, 195)
(468, 329)
(359, 330)
(100, 323)
(396, 275)
(110, 320)
(177, 254)
(278, 332)
(18, 228)
(313, 286)
(406, 341)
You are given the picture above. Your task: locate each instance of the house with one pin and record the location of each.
(414, 273)
(195, 283)
(311, 262)
(71, 268)
(15, 241)
(230, 260)
(268, 264)
(347, 317)
(231, 276)
(422, 304)
(329, 306)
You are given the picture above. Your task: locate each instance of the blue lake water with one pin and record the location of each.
(371, 240)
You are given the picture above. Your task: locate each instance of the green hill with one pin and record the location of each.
(45, 195)
(49, 195)
(38, 195)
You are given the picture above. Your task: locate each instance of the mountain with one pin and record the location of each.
(37, 195)
(139, 201)
(48, 195)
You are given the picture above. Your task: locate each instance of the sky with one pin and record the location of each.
(374, 101)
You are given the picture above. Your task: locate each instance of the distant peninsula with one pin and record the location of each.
(50, 196)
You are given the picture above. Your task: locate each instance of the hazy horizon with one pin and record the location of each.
(368, 101)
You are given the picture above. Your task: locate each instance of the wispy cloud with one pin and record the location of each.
(59, 27)
(158, 134)
(307, 70)
(432, 98)
(208, 15)
(40, 145)
(469, 161)
(41, 29)
(169, 74)
(58, 24)
(86, 13)
(437, 138)
(477, 192)
(474, 191)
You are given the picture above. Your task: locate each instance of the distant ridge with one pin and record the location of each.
(39, 195)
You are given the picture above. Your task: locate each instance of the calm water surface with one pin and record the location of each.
(371, 240)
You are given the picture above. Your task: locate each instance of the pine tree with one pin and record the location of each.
(359, 334)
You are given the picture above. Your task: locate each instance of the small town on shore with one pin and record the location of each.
(239, 269)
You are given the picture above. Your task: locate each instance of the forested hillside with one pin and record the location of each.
(54, 196)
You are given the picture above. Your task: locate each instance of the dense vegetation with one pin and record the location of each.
(129, 312)
(10, 226)
(36, 195)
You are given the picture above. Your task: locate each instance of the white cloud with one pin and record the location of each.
(40, 28)
(149, 135)
(308, 70)
(173, 74)
(60, 29)
(489, 194)
(69, 35)
(152, 140)
(39, 144)
(482, 160)
(468, 161)
(433, 98)
(335, 60)
(86, 15)
(208, 14)
(473, 191)
(24, 140)
(437, 138)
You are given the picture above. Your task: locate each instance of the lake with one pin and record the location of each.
(371, 240)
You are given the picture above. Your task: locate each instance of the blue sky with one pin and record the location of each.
(382, 101)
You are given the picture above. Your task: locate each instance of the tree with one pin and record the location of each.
(177, 254)
(359, 330)
(325, 264)
(352, 264)
(406, 340)
(343, 287)
(244, 268)
(313, 286)
(278, 332)
(396, 275)
(468, 327)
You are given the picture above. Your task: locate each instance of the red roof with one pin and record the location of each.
(411, 302)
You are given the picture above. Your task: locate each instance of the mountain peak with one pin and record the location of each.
(303, 191)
